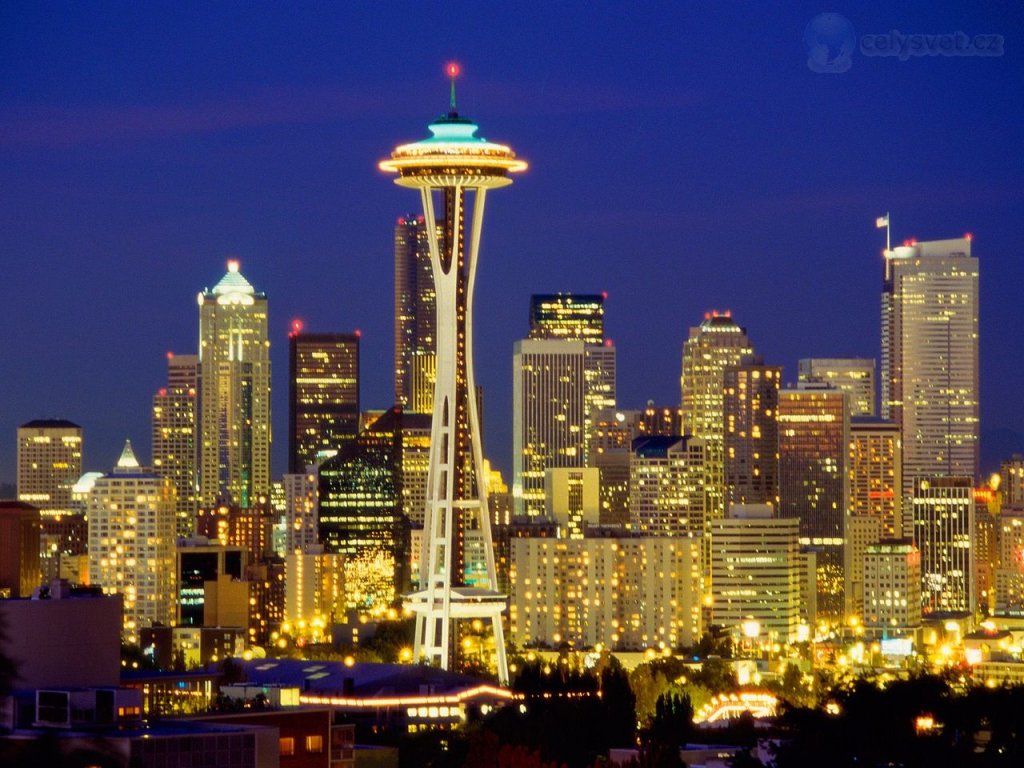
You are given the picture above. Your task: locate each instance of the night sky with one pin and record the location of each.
(682, 159)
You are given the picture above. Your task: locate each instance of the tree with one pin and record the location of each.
(672, 724)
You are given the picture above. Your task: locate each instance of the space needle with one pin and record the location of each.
(450, 168)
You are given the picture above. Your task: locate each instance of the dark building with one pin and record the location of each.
(751, 440)
(361, 502)
(567, 316)
(323, 394)
(199, 563)
(19, 548)
(415, 314)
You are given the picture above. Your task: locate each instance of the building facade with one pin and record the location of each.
(49, 464)
(323, 395)
(814, 438)
(174, 447)
(892, 587)
(668, 478)
(943, 514)
(567, 317)
(415, 316)
(755, 572)
(751, 436)
(854, 375)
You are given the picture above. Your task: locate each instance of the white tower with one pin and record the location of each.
(451, 164)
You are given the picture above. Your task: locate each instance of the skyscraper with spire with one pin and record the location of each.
(449, 168)
(234, 392)
(930, 357)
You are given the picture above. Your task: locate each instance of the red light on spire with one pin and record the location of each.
(604, 295)
(358, 333)
(297, 326)
(968, 236)
(170, 355)
(452, 69)
(608, 342)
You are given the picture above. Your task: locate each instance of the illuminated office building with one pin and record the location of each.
(174, 437)
(814, 438)
(250, 528)
(1011, 481)
(314, 591)
(49, 464)
(750, 404)
(892, 587)
(567, 317)
(323, 394)
(930, 357)
(361, 513)
(454, 166)
(1009, 572)
(559, 388)
(131, 543)
(572, 499)
(876, 471)
(854, 375)
(415, 316)
(234, 392)
(755, 572)
(622, 593)
(667, 486)
(415, 437)
(861, 532)
(943, 514)
(713, 346)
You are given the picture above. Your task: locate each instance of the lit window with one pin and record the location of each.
(314, 744)
(287, 745)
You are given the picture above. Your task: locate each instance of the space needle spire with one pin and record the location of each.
(453, 169)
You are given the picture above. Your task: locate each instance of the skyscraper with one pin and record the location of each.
(853, 375)
(131, 542)
(751, 441)
(49, 464)
(667, 479)
(234, 392)
(943, 512)
(559, 387)
(174, 436)
(930, 357)
(415, 314)
(323, 394)
(567, 317)
(876, 472)
(452, 164)
(814, 437)
(713, 346)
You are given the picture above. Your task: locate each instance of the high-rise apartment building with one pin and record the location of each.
(854, 375)
(131, 543)
(751, 440)
(323, 395)
(892, 587)
(668, 486)
(49, 464)
(717, 343)
(415, 316)
(756, 571)
(814, 438)
(943, 514)
(567, 317)
(174, 437)
(234, 392)
(625, 593)
(558, 389)
(930, 357)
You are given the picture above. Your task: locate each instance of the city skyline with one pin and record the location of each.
(156, 235)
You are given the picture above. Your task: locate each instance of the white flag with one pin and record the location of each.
(882, 221)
